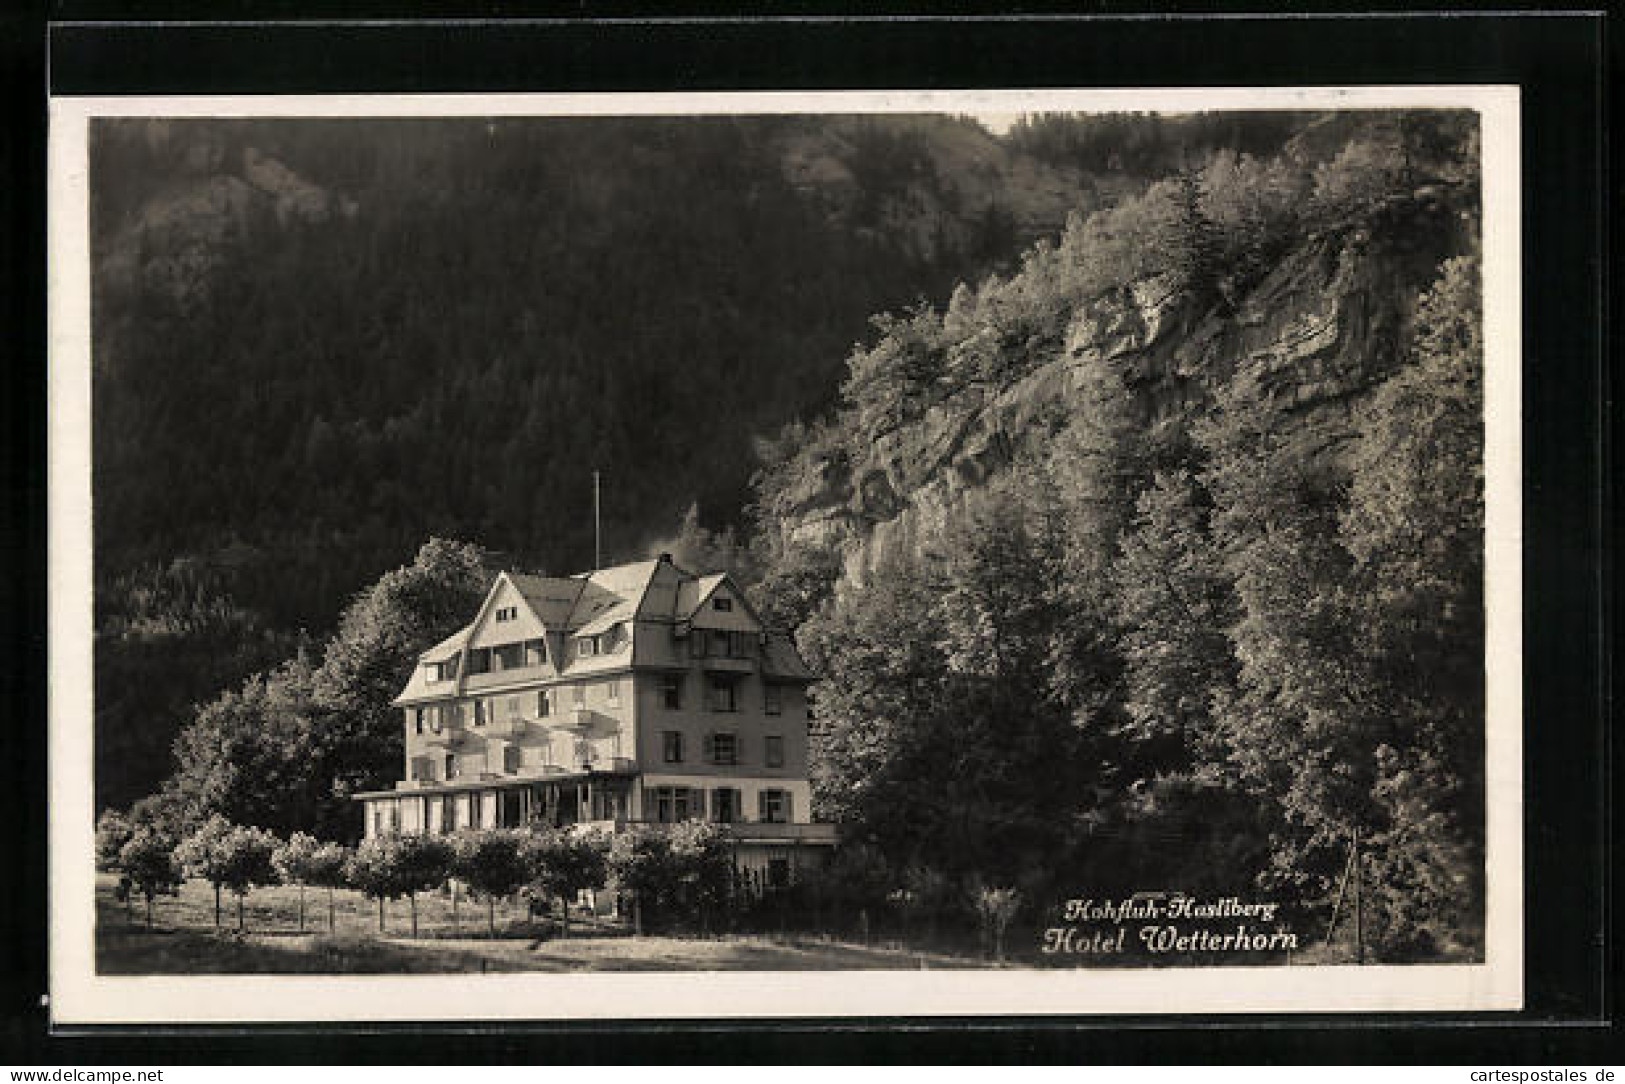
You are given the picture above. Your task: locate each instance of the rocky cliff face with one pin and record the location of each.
(1319, 331)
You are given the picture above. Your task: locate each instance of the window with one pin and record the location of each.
(442, 671)
(722, 747)
(772, 699)
(508, 656)
(480, 712)
(671, 691)
(479, 661)
(613, 693)
(513, 707)
(535, 652)
(773, 751)
(724, 694)
(722, 603)
(544, 704)
(417, 718)
(451, 765)
(696, 644)
(507, 613)
(774, 806)
(586, 646)
(725, 805)
(719, 644)
(578, 696)
(437, 718)
(672, 804)
(671, 742)
(510, 759)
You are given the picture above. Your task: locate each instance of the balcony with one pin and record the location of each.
(721, 664)
(759, 832)
(448, 736)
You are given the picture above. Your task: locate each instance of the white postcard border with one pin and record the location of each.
(79, 996)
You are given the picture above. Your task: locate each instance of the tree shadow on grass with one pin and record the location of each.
(186, 952)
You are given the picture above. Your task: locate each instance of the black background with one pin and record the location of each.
(1558, 60)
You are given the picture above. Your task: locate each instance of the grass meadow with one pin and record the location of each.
(183, 939)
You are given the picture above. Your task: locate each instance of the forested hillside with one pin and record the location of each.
(1157, 564)
(317, 343)
(1137, 541)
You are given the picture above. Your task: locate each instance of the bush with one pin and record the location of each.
(293, 864)
(563, 864)
(996, 908)
(389, 867)
(326, 869)
(373, 870)
(113, 831)
(148, 859)
(229, 856)
(673, 873)
(493, 864)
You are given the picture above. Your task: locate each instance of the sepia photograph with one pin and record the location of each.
(728, 543)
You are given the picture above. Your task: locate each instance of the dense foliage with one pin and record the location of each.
(1203, 635)
(319, 342)
(289, 748)
(1217, 622)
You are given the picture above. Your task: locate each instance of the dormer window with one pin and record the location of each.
(722, 604)
(442, 671)
(586, 646)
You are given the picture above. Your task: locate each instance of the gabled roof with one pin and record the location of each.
(780, 659)
(594, 602)
(551, 598)
(450, 646)
(693, 593)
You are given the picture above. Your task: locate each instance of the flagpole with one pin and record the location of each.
(597, 526)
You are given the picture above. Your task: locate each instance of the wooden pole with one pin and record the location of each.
(597, 526)
(1342, 886)
(1359, 904)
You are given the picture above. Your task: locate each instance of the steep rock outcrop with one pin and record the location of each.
(1319, 331)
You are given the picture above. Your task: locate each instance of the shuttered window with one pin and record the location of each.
(725, 805)
(773, 806)
(724, 694)
(722, 747)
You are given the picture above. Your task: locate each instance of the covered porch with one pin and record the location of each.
(555, 800)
